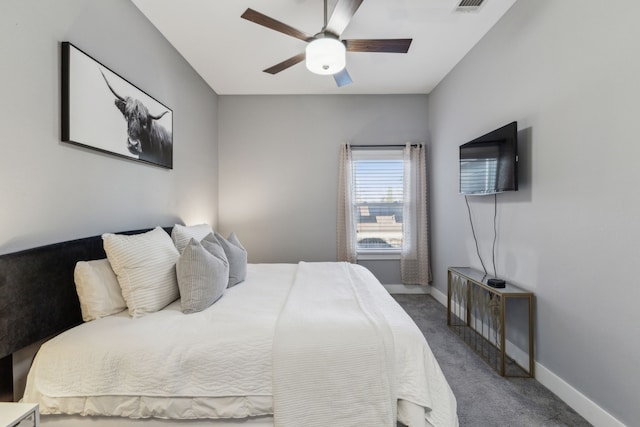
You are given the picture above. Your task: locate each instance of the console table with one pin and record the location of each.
(477, 313)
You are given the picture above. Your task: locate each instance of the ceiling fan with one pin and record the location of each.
(326, 52)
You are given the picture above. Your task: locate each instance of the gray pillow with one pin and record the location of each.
(211, 244)
(237, 257)
(202, 275)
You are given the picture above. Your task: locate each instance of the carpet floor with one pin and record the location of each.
(485, 399)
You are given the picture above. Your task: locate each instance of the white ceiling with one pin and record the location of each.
(230, 52)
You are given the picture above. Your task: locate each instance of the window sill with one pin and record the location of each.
(378, 256)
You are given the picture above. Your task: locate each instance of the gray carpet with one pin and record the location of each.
(484, 398)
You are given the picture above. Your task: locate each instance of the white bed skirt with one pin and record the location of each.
(80, 421)
(409, 414)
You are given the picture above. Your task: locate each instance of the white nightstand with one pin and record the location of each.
(13, 414)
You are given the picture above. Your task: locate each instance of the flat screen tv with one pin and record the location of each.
(489, 164)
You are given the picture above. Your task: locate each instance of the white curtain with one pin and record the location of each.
(346, 231)
(415, 263)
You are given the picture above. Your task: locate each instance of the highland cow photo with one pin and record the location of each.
(103, 111)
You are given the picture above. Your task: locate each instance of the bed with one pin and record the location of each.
(290, 345)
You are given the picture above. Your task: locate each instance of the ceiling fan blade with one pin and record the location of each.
(380, 45)
(341, 16)
(286, 64)
(342, 78)
(265, 21)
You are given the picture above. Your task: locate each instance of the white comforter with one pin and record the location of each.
(218, 363)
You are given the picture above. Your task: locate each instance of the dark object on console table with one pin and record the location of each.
(496, 283)
(38, 295)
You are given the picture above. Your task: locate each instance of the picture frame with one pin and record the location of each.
(103, 111)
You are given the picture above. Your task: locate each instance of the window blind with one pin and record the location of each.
(378, 178)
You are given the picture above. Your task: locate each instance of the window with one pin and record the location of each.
(378, 185)
(382, 208)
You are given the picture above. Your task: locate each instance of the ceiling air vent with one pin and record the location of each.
(469, 5)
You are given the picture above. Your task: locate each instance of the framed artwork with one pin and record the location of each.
(104, 112)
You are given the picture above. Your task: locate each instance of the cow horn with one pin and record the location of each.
(110, 88)
(158, 116)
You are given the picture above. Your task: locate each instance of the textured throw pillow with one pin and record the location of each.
(98, 289)
(145, 265)
(181, 234)
(211, 244)
(203, 273)
(237, 256)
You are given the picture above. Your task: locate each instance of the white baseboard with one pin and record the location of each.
(578, 401)
(565, 391)
(407, 289)
(439, 296)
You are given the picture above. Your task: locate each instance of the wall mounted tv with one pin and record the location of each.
(489, 164)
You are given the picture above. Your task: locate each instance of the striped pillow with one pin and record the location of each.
(237, 256)
(181, 234)
(145, 265)
(203, 273)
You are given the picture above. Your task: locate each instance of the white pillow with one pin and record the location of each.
(181, 234)
(98, 289)
(145, 265)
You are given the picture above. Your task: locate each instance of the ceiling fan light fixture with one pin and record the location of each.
(325, 55)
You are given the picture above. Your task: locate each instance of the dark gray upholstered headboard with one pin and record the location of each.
(37, 293)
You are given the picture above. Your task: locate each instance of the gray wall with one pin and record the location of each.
(568, 74)
(279, 175)
(52, 191)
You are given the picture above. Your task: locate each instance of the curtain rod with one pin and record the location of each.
(382, 145)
